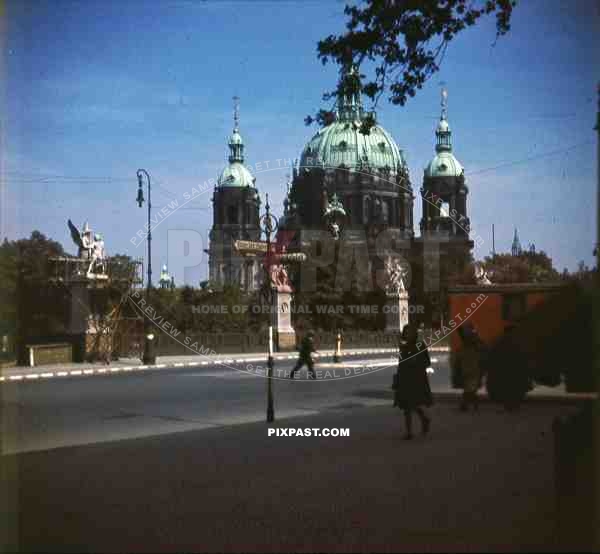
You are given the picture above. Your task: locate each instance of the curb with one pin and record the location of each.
(28, 375)
(447, 394)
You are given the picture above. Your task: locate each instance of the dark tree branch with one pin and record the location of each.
(397, 35)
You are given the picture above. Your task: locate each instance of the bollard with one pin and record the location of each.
(338, 348)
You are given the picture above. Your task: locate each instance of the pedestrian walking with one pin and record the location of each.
(470, 366)
(412, 384)
(421, 333)
(307, 347)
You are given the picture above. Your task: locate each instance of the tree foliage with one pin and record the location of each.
(405, 40)
(25, 291)
(528, 267)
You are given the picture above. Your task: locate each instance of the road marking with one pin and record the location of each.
(222, 375)
(218, 362)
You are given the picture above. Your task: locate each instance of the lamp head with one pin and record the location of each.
(140, 192)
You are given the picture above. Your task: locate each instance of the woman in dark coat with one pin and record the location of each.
(412, 390)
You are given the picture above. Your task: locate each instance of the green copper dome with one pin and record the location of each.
(444, 164)
(342, 143)
(236, 175)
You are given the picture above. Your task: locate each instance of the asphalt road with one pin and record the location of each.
(56, 413)
(475, 483)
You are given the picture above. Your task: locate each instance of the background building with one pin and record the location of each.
(366, 171)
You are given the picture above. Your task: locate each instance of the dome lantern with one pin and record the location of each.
(444, 164)
(443, 132)
(236, 174)
(236, 143)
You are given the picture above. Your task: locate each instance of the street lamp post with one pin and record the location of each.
(149, 356)
(269, 224)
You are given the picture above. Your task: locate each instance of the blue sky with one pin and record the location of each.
(93, 89)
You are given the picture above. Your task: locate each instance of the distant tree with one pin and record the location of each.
(405, 40)
(583, 272)
(26, 294)
(529, 267)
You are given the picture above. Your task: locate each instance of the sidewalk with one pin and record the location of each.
(475, 483)
(539, 393)
(162, 362)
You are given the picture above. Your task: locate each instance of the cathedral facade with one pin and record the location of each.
(368, 174)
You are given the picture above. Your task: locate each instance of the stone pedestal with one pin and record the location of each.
(396, 312)
(285, 335)
(80, 308)
(90, 341)
(79, 312)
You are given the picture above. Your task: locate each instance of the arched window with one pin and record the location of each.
(232, 215)
(366, 210)
(385, 212)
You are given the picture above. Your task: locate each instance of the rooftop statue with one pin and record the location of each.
(481, 275)
(334, 214)
(395, 274)
(90, 247)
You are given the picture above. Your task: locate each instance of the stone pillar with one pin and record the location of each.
(396, 308)
(78, 318)
(282, 320)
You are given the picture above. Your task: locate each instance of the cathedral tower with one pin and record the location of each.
(235, 217)
(444, 190)
(444, 245)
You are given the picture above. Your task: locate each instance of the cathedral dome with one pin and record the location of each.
(236, 175)
(444, 164)
(342, 143)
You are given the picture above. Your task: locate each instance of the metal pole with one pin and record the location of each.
(597, 129)
(149, 357)
(270, 409)
(338, 348)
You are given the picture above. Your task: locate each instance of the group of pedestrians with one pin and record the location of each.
(412, 392)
